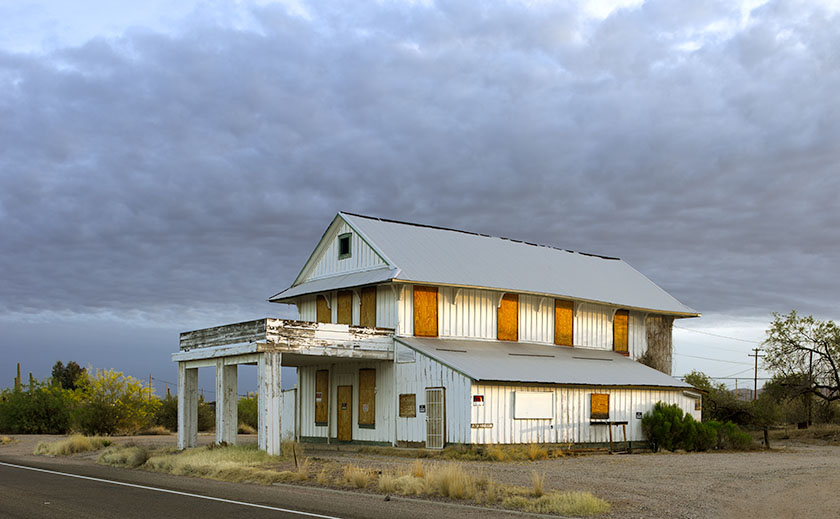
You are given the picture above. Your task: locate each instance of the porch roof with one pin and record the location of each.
(501, 361)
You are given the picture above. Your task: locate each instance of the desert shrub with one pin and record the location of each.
(576, 504)
(663, 426)
(167, 414)
(668, 428)
(357, 476)
(130, 456)
(247, 411)
(39, 409)
(112, 403)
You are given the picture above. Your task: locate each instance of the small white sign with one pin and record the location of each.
(478, 400)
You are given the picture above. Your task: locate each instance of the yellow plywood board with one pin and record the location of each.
(322, 394)
(508, 318)
(600, 404)
(564, 322)
(345, 413)
(408, 405)
(425, 311)
(323, 310)
(367, 309)
(620, 331)
(367, 396)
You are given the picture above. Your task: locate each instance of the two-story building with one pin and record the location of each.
(414, 335)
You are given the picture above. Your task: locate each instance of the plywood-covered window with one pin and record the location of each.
(508, 318)
(564, 322)
(367, 309)
(620, 331)
(408, 405)
(367, 398)
(599, 406)
(323, 310)
(345, 307)
(425, 311)
(322, 396)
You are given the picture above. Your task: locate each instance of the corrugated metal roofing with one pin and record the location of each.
(501, 361)
(433, 255)
(352, 279)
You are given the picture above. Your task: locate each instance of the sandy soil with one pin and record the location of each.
(793, 480)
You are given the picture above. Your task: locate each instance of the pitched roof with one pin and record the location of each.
(500, 361)
(433, 255)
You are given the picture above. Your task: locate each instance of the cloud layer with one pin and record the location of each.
(190, 173)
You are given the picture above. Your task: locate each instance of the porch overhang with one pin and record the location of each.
(300, 343)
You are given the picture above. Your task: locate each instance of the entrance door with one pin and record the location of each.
(435, 418)
(345, 413)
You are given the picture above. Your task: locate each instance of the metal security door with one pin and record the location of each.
(435, 418)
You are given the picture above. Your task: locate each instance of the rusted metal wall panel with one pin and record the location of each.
(362, 256)
(571, 422)
(414, 378)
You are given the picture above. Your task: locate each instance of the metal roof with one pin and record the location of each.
(501, 361)
(349, 280)
(437, 256)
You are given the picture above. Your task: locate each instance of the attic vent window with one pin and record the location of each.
(344, 246)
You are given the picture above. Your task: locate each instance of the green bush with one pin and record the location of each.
(39, 409)
(113, 403)
(667, 427)
(247, 410)
(167, 414)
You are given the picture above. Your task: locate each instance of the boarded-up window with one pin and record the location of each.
(600, 406)
(620, 323)
(367, 310)
(322, 396)
(323, 310)
(408, 406)
(697, 404)
(530, 405)
(508, 318)
(367, 398)
(425, 311)
(345, 307)
(564, 322)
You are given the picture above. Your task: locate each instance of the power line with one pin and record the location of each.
(717, 335)
(714, 360)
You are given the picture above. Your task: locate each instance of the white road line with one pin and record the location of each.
(166, 491)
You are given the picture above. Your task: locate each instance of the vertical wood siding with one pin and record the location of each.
(362, 256)
(386, 307)
(536, 319)
(414, 378)
(405, 305)
(593, 326)
(638, 335)
(571, 414)
(472, 314)
(347, 373)
(307, 309)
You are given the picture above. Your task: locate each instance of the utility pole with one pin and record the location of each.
(810, 384)
(150, 387)
(755, 375)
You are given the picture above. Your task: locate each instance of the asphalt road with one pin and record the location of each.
(63, 488)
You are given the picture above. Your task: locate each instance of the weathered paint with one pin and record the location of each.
(571, 422)
(288, 421)
(227, 401)
(386, 307)
(638, 335)
(414, 378)
(327, 264)
(270, 403)
(187, 406)
(347, 373)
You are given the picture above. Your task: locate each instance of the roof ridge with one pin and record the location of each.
(439, 228)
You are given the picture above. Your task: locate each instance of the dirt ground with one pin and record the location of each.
(793, 480)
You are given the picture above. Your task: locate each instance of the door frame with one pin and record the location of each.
(338, 413)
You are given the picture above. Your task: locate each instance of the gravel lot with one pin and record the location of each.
(793, 480)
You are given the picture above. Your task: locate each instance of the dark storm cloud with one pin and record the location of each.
(194, 172)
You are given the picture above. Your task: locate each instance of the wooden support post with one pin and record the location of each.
(270, 402)
(226, 403)
(609, 426)
(187, 406)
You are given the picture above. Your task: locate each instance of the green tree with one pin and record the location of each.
(718, 402)
(40, 409)
(804, 353)
(113, 403)
(66, 376)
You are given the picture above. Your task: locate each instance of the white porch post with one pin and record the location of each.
(227, 420)
(270, 402)
(187, 406)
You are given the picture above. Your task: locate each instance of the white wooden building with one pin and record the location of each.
(415, 335)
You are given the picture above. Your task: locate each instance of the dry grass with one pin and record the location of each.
(244, 428)
(235, 463)
(450, 480)
(72, 445)
(323, 477)
(537, 452)
(418, 469)
(130, 456)
(815, 434)
(576, 504)
(155, 430)
(302, 472)
(5, 439)
(537, 483)
(357, 476)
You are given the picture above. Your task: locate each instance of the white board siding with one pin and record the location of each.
(593, 326)
(386, 307)
(571, 418)
(405, 310)
(307, 309)
(414, 378)
(362, 257)
(471, 314)
(347, 373)
(536, 319)
(637, 335)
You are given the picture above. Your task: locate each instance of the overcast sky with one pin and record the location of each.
(169, 168)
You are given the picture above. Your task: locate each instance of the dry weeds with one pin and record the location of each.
(72, 445)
